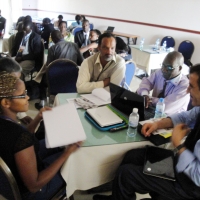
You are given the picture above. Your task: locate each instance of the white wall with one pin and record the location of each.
(182, 14)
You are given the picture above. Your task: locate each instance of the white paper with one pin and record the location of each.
(63, 126)
(74, 102)
(101, 93)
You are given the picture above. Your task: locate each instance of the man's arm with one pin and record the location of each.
(89, 46)
(83, 83)
(79, 55)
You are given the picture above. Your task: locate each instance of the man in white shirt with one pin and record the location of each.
(104, 67)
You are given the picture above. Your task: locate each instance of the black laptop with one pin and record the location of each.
(125, 100)
(110, 29)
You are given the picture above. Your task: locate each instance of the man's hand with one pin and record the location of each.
(26, 120)
(179, 132)
(106, 82)
(147, 101)
(18, 59)
(148, 128)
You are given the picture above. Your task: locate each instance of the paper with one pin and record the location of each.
(63, 126)
(99, 97)
(72, 100)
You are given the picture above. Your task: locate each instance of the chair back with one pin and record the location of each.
(8, 185)
(130, 71)
(62, 75)
(170, 41)
(75, 30)
(91, 26)
(186, 48)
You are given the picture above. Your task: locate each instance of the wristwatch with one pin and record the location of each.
(178, 148)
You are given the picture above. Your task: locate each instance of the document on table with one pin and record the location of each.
(99, 96)
(63, 126)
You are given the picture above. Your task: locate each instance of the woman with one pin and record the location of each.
(67, 35)
(35, 168)
(78, 21)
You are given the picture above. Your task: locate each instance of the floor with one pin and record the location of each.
(83, 195)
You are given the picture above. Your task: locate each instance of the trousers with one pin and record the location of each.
(130, 179)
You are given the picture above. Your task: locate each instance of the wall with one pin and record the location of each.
(149, 19)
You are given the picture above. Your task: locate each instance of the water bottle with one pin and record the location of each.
(133, 123)
(157, 44)
(141, 44)
(160, 108)
(164, 46)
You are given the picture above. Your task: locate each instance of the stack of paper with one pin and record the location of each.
(63, 126)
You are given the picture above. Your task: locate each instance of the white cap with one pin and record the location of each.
(135, 110)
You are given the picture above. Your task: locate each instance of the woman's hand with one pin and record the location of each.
(43, 110)
(73, 147)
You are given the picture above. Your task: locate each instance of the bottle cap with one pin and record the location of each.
(135, 110)
(161, 100)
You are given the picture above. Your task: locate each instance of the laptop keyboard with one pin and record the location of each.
(149, 112)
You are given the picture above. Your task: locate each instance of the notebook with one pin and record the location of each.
(110, 29)
(159, 163)
(125, 100)
(104, 116)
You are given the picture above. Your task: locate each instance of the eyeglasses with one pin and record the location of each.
(23, 96)
(168, 68)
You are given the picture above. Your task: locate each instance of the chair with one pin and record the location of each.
(170, 41)
(91, 26)
(130, 71)
(75, 30)
(62, 75)
(8, 185)
(186, 48)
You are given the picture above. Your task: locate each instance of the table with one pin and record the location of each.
(147, 59)
(96, 162)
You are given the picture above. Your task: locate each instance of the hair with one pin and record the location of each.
(62, 23)
(78, 18)
(56, 36)
(105, 35)
(20, 19)
(84, 21)
(60, 16)
(46, 20)
(27, 18)
(28, 23)
(9, 65)
(96, 31)
(121, 46)
(196, 69)
(7, 84)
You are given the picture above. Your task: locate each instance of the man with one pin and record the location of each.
(104, 67)
(61, 49)
(56, 23)
(2, 26)
(169, 83)
(82, 37)
(28, 49)
(130, 177)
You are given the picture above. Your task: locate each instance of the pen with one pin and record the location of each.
(118, 128)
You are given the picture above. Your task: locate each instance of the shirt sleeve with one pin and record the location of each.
(189, 164)
(21, 115)
(83, 83)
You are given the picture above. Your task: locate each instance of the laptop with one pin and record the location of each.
(110, 29)
(104, 116)
(125, 100)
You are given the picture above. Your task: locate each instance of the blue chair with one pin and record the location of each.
(62, 75)
(186, 48)
(75, 30)
(91, 26)
(170, 41)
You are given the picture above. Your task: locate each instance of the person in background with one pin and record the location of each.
(78, 21)
(2, 26)
(168, 83)
(91, 48)
(68, 36)
(82, 37)
(35, 168)
(47, 29)
(34, 25)
(104, 67)
(83, 18)
(56, 23)
(19, 24)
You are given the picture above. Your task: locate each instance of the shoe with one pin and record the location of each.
(102, 197)
(38, 106)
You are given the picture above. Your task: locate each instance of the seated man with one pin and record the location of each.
(82, 37)
(130, 177)
(27, 48)
(91, 48)
(169, 83)
(61, 49)
(104, 67)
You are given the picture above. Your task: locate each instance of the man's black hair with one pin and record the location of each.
(78, 19)
(60, 16)
(62, 22)
(96, 31)
(28, 18)
(56, 36)
(105, 35)
(46, 20)
(84, 21)
(28, 23)
(196, 69)
(9, 65)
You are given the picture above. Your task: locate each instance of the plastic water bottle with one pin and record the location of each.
(164, 46)
(141, 44)
(133, 123)
(160, 108)
(157, 44)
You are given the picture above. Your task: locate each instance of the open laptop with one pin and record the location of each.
(110, 29)
(125, 101)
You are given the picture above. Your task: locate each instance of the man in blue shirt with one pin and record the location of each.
(130, 177)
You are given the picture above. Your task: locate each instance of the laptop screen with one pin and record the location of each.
(110, 29)
(125, 100)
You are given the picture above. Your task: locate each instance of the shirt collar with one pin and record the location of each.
(98, 59)
(28, 35)
(175, 81)
(84, 33)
